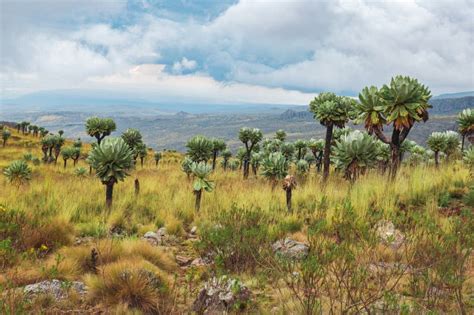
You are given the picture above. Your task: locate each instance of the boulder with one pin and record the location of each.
(389, 235)
(160, 237)
(56, 288)
(290, 248)
(220, 295)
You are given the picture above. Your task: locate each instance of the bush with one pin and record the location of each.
(136, 284)
(236, 238)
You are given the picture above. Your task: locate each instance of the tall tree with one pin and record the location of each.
(100, 127)
(400, 104)
(300, 146)
(331, 111)
(157, 156)
(218, 145)
(111, 160)
(250, 137)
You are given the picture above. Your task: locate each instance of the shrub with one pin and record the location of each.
(136, 284)
(236, 238)
(18, 173)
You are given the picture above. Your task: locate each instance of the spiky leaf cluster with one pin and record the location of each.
(330, 109)
(111, 160)
(100, 127)
(357, 149)
(201, 172)
(18, 173)
(466, 121)
(274, 166)
(437, 141)
(199, 149)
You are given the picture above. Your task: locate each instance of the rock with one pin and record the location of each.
(83, 240)
(221, 295)
(389, 235)
(160, 237)
(56, 288)
(162, 232)
(193, 230)
(290, 248)
(152, 238)
(183, 260)
(198, 262)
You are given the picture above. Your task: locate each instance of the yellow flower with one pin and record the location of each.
(44, 247)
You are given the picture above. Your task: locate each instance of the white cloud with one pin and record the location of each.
(184, 65)
(150, 81)
(305, 45)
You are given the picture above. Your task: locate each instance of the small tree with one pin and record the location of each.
(250, 137)
(58, 143)
(201, 172)
(18, 173)
(331, 111)
(300, 146)
(5, 136)
(199, 149)
(288, 150)
(75, 154)
(111, 160)
(67, 154)
(437, 143)
(452, 143)
(289, 183)
(157, 157)
(280, 135)
(141, 151)
(186, 166)
(317, 148)
(466, 124)
(226, 155)
(100, 127)
(60, 133)
(255, 161)
(218, 145)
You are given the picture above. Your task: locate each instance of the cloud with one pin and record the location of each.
(151, 82)
(248, 47)
(184, 65)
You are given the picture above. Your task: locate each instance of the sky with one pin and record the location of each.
(249, 51)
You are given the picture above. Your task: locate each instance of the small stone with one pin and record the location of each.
(193, 230)
(183, 260)
(291, 249)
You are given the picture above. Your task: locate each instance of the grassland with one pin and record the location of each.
(58, 209)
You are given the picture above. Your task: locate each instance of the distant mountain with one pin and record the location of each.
(451, 106)
(291, 114)
(454, 95)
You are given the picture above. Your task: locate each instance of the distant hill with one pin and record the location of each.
(454, 95)
(451, 106)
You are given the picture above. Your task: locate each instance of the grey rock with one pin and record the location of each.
(56, 288)
(290, 248)
(220, 295)
(389, 235)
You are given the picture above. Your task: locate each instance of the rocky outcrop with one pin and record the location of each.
(56, 288)
(289, 248)
(389, 235)
(221, 295)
